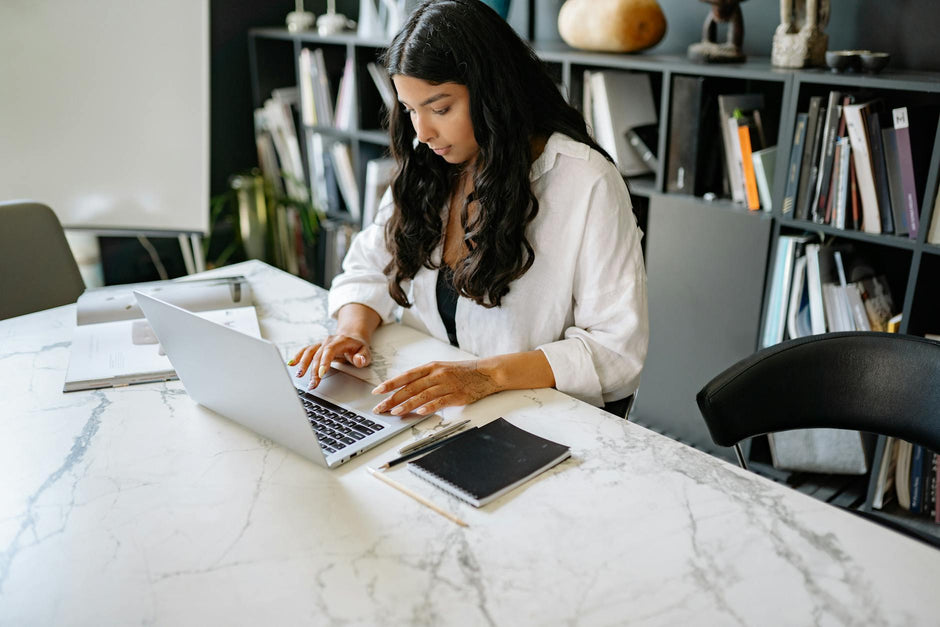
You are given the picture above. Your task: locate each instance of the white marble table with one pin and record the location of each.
(136, 506)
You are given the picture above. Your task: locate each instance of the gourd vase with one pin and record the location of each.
(612, 25)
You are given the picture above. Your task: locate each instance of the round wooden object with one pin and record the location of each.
(611, 25)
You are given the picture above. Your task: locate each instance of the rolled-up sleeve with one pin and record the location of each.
(362, 280)
(600, 357)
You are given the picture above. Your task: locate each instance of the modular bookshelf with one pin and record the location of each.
(708, 260)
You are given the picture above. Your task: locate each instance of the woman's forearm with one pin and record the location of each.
(357, 320)
(518, 371)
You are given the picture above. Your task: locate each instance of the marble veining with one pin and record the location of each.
(136, 506)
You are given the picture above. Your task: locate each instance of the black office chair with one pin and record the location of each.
(37, 268)
(882, 383)
(877, 382)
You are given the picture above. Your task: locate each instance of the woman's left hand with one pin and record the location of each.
(433, 386)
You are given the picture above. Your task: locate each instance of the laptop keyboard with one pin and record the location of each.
(336, 428)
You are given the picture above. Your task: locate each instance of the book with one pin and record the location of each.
(765, 160)
(933, 237)
(750, 106)
(889, 147)
(587, 102)
(880, 171)
(793, 170)
(751, 196)
(814, 283)
(826, 156)
(379, 174)
(861, 157)
(345, 98)
(841, 182)
(902, 474)
(798, 318)
(781, 282)
(809, 162)
(383, 84)
(905, 160)
(346, 177)
(885, 479)
(113, 345)
(486, 462)
(621, 101)
(918, 455)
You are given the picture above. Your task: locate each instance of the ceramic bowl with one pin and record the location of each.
(874, 62)
(843, 60)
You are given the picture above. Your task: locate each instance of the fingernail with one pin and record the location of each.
(292, 362)
(397, 410)
(378, 409)
(421, 410)
(299, 374)
(360, 360)
(323, 370)
(378, 389)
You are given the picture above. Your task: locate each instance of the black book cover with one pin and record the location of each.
(880, 170)
(486, 462)
(796, 157)
(685, 120)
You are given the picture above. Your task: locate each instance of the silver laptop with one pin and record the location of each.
(244, 378)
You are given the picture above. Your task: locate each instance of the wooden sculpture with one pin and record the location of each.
(799, 41)
(709, 49)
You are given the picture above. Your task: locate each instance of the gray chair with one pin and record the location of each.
(37, 268)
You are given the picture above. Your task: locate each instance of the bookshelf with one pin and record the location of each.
(732, 243)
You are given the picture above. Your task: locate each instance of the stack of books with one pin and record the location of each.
(857, 164)
(908, 474)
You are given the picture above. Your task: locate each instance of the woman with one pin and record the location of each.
(509, 232)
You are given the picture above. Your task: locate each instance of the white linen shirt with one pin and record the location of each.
(582, 302)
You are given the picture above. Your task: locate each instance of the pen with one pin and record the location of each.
(432, 437)
(416, 496)
(424, 449)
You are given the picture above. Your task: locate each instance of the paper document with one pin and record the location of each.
(114, 345)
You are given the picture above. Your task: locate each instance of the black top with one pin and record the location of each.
(447, 302)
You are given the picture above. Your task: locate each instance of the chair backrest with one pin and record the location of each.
(37, 268)
(881, 383)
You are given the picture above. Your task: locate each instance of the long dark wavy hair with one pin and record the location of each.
(513, 99)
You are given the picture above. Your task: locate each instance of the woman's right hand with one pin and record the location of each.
(318, 357)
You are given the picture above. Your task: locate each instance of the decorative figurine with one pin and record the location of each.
(709, 50)
(298, 19)
(799, 41)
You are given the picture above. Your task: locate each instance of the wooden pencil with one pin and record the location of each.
(382, 477)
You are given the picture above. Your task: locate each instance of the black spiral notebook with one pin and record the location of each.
(486, 462)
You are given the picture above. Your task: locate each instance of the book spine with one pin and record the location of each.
(827, 157)
(933, 237)
(805, 201)
(889, 147)
(829, 204)
(903, 137)
(880, 172)
(917, 478)
(764, 161)
(796, 157)
(750, 179)
(845, 165)
(871, 218)
(814, 288)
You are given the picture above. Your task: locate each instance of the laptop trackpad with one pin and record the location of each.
(356, 394)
